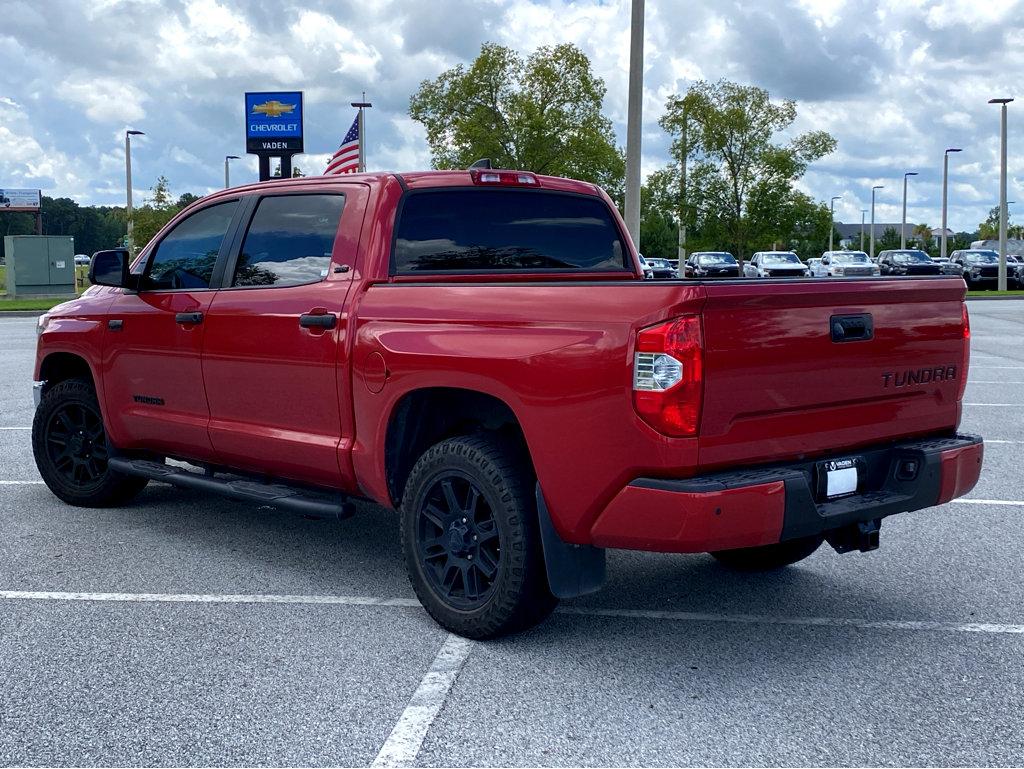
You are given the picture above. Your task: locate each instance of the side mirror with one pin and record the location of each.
(110, 268)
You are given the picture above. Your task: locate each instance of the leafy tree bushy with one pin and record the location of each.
(540, 114)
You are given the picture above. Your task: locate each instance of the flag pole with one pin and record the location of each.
(361, 105)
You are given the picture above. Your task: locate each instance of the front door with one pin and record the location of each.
(275, 356)
(152, 375)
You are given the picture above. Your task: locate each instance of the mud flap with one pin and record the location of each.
(573, 570)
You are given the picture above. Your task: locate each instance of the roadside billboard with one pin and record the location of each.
(19, 200)
(273, 122)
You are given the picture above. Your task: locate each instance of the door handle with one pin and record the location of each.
(852, 328)
(324, 320)
(189, 317)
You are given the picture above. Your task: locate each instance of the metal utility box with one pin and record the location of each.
(40, 265)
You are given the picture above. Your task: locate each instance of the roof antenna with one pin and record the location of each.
(482, 163)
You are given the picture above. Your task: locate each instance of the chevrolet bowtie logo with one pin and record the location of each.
(272, 108)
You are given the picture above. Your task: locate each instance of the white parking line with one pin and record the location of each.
(15, 428)
(972, 501)
(21, 483)
(1002, 368)
(992, 440)
(991, 404)
(341, 600)
(404, 743)
(762, 619)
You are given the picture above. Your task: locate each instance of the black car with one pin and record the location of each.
(907, 261)
(980, 267)
(711, 264)
(661, 268)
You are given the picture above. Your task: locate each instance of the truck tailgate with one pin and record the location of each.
(778, 385)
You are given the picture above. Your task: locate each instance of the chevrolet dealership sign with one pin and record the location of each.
(273, 122)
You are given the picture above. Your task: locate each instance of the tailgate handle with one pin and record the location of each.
(852, 328)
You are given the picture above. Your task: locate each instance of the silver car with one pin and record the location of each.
(846, 264)
(775, 264)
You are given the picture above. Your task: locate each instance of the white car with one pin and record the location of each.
(845, 264)
(648, 270)
(775, 264)
(82, 259)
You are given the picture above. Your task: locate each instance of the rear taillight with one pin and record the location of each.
(504, 178)
(668, 376)
(965, 323)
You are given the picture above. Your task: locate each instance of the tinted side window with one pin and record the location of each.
(506, 230)
(289, 241)
(185, 257)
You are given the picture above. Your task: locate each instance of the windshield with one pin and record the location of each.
(911, 257)
(780, 259)
(855, 257)
(716, 259)
(982, 257)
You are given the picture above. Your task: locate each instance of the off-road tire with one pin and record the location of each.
(518, 596)
(769, 557)
(70, 413)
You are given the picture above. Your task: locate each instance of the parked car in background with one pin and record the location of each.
(82, 259)
(844, 264)
(1015, 270)
(979, 267)
(946, 266)
(661, 269)
(775, 264)
(814, 267)
(646, 268)
(907, 261)
(711, 264)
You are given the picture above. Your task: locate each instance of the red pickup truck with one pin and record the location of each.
(478, 350)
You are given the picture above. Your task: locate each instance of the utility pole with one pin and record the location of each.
(633, 121)
(128, 185)
(903, 227)
(876, 187)
(680, 270)
(832, 219)
(1003, 214)
(945, 185)
(362, 105)
(863, 211)
(227, 173)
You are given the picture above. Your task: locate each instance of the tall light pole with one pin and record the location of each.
(876, 187)
(903, 226)
(945, 185)
(832, 219)
(128, 185)
(1002, 191)
(681, 252)
(361, 106)
(227, 173)
(863, 211)
(633, 121)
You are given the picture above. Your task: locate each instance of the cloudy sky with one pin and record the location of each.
(896, 81)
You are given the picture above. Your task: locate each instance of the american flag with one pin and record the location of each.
(346, 159)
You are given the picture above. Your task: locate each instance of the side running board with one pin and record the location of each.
(294, 498)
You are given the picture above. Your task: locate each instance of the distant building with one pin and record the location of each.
(849, 234)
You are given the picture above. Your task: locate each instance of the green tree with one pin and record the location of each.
(890, 239)
(541, 114)
(923, 233)
(989, 229)
(158, 209)
(741, 175)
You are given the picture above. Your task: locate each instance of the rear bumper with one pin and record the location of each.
(766, 505)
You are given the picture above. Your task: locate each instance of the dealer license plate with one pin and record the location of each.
(841, 477)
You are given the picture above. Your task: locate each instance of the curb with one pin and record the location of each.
(21, 313)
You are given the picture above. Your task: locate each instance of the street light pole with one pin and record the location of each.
(1002, 191)
(128, 186)
(362, 105)
(832, 219)
(227, 173)
(681, 254)
(863, 211)
(876, 187)
(633, 121)
(903, 225)
(945, 185)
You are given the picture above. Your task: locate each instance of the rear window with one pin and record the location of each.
(499, 230)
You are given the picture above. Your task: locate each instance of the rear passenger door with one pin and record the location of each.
(275, 358)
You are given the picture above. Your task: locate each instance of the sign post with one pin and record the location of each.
(273, 128)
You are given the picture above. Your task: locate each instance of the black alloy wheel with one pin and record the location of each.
(458, 541)
(76, 444)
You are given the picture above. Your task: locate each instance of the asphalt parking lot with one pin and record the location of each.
(189, 630)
